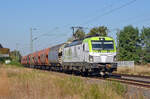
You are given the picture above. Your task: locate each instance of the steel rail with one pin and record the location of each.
(140, 83)
(127, 75)
(131, 82)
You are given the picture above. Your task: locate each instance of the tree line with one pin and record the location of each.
(133, 44)
(96, 31)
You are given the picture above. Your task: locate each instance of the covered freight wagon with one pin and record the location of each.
(55, 54)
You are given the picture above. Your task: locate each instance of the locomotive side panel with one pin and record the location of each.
(73, 54)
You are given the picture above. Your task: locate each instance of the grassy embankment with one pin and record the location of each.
(23, 83)
(137, 70)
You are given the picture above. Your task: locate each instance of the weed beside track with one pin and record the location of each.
(25, 83)
(142, 70)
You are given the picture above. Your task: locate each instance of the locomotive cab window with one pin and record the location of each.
(108, 45)
(102, 45)
(97, 45)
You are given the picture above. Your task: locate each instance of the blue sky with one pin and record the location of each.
(18, 16)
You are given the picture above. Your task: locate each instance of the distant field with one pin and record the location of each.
(137, 70)
(24, 83)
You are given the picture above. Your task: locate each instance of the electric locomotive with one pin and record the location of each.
(92, 55)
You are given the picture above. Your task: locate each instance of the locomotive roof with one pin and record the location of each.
(79, 41)
(73, 43)
(57, 45)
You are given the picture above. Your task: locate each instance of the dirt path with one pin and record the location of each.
(4, 83)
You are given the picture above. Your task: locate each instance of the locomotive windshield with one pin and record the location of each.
(102, 45)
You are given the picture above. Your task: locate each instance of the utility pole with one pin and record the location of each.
(17, 51)
(32, 39)
(73, 30)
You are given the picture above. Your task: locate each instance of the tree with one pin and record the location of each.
(79, 34)
(129, 44)
(145, 44)
(15, 55)
(100, 31)
(70, 39)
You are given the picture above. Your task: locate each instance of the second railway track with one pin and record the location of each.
(135, 76)
(142, 81)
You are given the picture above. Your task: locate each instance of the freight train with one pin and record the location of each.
(91, 55)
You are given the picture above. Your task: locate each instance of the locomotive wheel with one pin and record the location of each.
(85, 74)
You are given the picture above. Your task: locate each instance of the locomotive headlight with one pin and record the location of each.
(91, 58)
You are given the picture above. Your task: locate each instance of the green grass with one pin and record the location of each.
(119, 88)
(2, 59)
(76, 86)
(14, 64)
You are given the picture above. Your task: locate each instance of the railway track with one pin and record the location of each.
(141, 81)
(144, 81)
(127, 75)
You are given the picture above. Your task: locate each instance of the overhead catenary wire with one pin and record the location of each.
(46, 34)
(104, 13)
(135, 19)
(52, 41)
(109, 12)
(95, 18)
(103, 9)
(143, 20)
